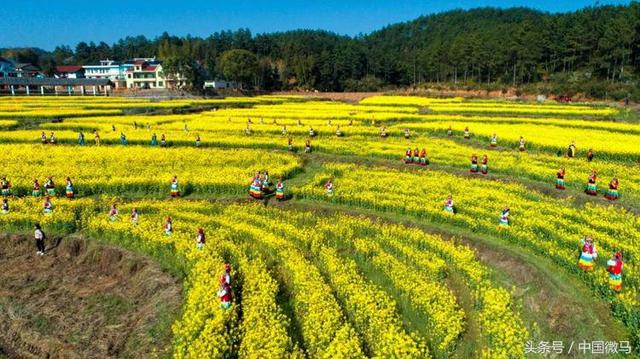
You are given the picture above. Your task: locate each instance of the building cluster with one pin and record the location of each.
(138, 73)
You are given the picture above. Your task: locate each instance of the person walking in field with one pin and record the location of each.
(198, 140)
(312, 133)
(494, 141)
(123, 139)
(134, 216)
(36, 192)
(521, 144)
(50, 187)
(52, 138)
(96, 138)
(450, 131)
(47, 206)
(407, 134)
(5, 206)
(474, 164)
(168, 226)
(200, 239)
(225, 294)
(504, 218)
(614, 267)
(484, 168)
(113, 213)
(280, 195)
(590, 155)
(5, 186)
(588, 254)
(81, 138)
(284, 130)
(560, 178)
(163, 141)
(175, 190)
(43, 138)
(307, 146)
(39, 237)
(466, 134)
(69, 191)
(329, 187)
(338, 132)
(612, 193)
(592, 186)
(154, 139)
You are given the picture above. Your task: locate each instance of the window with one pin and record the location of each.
(160, 84)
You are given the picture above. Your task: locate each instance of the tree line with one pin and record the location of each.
(594, 50)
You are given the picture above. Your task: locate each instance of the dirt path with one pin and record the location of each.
(83, 300)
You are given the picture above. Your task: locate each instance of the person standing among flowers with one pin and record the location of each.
(200, 239)
(175, 190)
(96, 138)
(69, 192)
(168, 226)
(154, 139)
(307, 146)
(474, 164)
(408, 156)
(81, 138)
(43, 138)
(424, 160)
(5, 206)
(494, 141)
(329, 187)
(225, 294)
(560, 178)
(504, 218)
(614, 267)
(5, 186)
(280, 195)
(588, 254)
(134, 216)
(50, 187)
(113, 213)
(521, 144)
(612, 192)
(226, 275)
(484, 168)
(466, 134)
(449, 206)
(35, 192)
(592, 187)
(48, 206)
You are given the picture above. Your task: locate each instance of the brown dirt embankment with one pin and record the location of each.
(83, 300)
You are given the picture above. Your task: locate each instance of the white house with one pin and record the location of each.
(108, 69)
(220, 85)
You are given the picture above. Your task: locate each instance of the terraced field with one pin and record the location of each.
(376, 268)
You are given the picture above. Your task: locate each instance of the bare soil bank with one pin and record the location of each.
(83, 300)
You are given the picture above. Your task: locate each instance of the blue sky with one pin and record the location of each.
(45, 24)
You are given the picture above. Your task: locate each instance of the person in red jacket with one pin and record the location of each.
(614, 267)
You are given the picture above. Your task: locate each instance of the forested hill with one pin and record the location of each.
(595, 50)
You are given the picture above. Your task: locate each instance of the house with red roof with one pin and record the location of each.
(69, 72)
